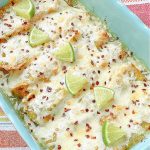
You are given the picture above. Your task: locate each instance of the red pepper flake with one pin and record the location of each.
(43, 97)
(62, 83)
(84, 90)
(72, 23)
(87, 110)
(107, 110)
(49, 89)
(92, 78)
(93, 101)
(41, 73)
(93, 84)
(84, 74)
(41, 90)
(24, 23)
(135, 86)
(71, 134)
(5, 19)
(113, 106)
(131, 120)
(93, 72)
(97, 83)
(93, 137)
(29, 123)
(129, 125)
(87, 136)
(88, 127)
(67, 129)
(133, 112)
(127, 108)
(92, 63)
(64, 68)
(2, 84)
(8, 25)
(111, 114)
(65, 71)
(134, 102)
(66, 109)
(98, 113)
(76, 123)
(59, 147)
(79, 145)
(114, 60)
(53, 118)
(102, 56)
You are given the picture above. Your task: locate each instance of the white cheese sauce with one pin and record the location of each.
(10, 22)
(63, 121)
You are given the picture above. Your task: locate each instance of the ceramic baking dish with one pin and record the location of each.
(126, 26)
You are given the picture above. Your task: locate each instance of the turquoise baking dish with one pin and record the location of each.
(121, 22)
(3, 2)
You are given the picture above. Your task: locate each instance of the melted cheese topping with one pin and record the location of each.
(57, 119)
(11, 22)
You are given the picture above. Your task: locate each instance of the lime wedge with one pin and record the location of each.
(103, 96)
(74, 83)
(65, 53)
(112, 135)
(38, 37)
(25, 9)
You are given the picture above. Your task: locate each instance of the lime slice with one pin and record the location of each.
(112, 135)
(74, 83)
(65, 53)
(38, 37)
(25, 9)
(103, 96)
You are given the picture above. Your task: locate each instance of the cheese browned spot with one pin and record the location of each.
(138, 73)
(102, 39)
(7, 68)
(75, 36)
(123, 54)
(20, 90)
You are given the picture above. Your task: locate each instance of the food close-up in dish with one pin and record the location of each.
(73, 83)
